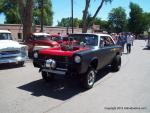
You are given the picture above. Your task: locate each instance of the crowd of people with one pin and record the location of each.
(123, 39)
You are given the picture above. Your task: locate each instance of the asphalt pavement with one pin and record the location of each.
(22, 89)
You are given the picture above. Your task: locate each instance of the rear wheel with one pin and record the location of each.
(47, 76)
(89, 78)
(21, 63)
(116, 64)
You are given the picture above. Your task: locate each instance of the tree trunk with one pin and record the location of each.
(25, 9)
(85, 15)
(28, 19)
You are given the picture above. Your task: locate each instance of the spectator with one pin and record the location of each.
(58, 33)
(114, 37)
(129, 43)
(121, 41)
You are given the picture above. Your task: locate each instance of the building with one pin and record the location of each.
(16, 30)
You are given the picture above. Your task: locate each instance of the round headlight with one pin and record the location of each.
(50, 64)
(77, 59)
(35, 55)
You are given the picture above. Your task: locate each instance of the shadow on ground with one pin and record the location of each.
(146, 49)
(61, 89)
(9, 66)
(125, 53)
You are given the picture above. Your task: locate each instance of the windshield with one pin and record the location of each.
(40, 37)
(55, 38)
(87, 39)
(5, 36)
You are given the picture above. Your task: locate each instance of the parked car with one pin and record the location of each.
(11, 51)
(92, 52)
(39, 41)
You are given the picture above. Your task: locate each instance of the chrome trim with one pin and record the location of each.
(61, 69)
(13, 55)
(54, 71)
(9, 55)
(12, 60)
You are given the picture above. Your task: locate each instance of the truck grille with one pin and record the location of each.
(56, 58)
(9, 54)
(61, 61)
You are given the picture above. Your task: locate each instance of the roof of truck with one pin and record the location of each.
(40, 33)
(4, 31)
(98, 34)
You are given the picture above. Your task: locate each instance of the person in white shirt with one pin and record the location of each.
(129, 43)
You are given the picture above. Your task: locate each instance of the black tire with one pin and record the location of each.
(21, 64)
(46, 76)
(116, 63)
(89, 78)
(30, 55)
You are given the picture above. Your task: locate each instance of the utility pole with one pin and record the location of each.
(72, 15)
(42, 15)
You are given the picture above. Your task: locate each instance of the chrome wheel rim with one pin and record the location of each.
(91, 78)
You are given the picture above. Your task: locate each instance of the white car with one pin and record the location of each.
(11, 51)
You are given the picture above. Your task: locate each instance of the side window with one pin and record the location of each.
(106, 41)
(102, 41)
(111, 43)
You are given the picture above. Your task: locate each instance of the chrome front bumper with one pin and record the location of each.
(57, 71)
(12, 60)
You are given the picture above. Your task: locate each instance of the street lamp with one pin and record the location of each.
(42, 15)
(72, 15)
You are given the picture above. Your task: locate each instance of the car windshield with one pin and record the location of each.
(87, 39)
(55, 38)
(59, 38)
(5, 36)
(41, 37)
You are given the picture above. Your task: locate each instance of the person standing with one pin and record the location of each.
(129, 43)
(121, 41)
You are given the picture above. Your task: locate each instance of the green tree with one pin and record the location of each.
(23, 11)
(11, 11)
(18, 11)
(103, 23)
(66, 22)
(146, 21)
(47, 11)
(136, 19)
(85, 16)
(117, 19)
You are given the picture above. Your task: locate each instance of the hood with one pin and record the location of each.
(9, 44)
(47, 42)
(59, 51)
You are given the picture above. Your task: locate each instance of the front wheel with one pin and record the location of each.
(89, 78)
(116, 64)
(47, 76)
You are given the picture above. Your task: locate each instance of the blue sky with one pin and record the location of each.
(62, 8)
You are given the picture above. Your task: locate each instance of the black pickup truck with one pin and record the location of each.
(89, 53)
